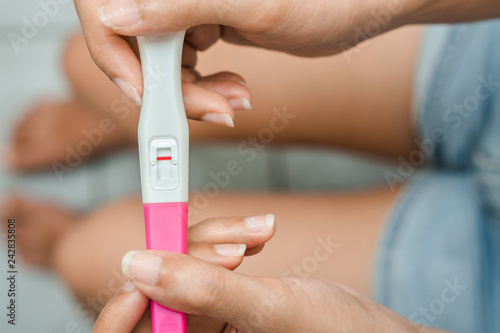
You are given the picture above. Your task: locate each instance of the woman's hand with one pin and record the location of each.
(211, 98)
(221, 241)
(219, 300)
(246, 304)
(307, 28)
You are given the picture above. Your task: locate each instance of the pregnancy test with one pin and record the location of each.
(164, 158)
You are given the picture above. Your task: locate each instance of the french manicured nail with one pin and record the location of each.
(260, 223)
(142, 267)
(119, 14)
(240, 104)
(219, 118)
(230, 250)
(129, 91)
(128, 287)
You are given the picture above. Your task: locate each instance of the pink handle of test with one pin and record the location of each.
(166, 230)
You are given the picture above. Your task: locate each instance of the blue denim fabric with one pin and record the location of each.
(439, 259)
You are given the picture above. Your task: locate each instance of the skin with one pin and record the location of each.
(255, 36)
(202, 94)
(87, 272)
(41, 226)
(313, 28)
(232, 302)
(329, 114)
(119, 221)
(326, 118)
(202, 240)
(45, 132)
(337, 217)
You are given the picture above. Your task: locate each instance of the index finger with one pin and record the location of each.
(123, 311)
(110, 51)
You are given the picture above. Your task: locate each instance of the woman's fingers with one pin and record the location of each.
(229, 256)
(186, 284)
(116, 55)
(224, 241)
(207, 105)
(156, 17)
(110, 51)
(214, 98)
(247, 304)
(223, 76)
(123, 312)
(251, 231)
(104, 24)
(203, 36)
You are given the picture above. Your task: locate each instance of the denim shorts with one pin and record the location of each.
(439, 257)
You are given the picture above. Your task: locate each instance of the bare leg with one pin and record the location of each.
(362, 105)
(323, 236)
(333, 115)
(93, 89)
(88, 256)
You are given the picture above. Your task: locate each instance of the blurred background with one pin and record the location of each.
(33, 72)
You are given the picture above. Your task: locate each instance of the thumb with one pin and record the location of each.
(146, 17)
(187, 284)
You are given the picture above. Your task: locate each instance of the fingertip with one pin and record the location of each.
(128, 90)
(207, 105)
(261, 223)
(104, 20)
(229, 256)
(123, 311)
(128, 287)
(240, 103)
(114, 55)
(230, 250)
(219, 119)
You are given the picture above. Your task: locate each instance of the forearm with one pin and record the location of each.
(452, 11)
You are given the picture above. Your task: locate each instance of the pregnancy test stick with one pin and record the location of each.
(164, 158)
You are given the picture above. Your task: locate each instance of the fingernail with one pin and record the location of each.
(142, 267)
(219, 118)
(129, 91)
(230, 250)
(240, 104)
(119, 14)
(128, 287)
(260, 223)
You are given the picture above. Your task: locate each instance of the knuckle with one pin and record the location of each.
(213, 289)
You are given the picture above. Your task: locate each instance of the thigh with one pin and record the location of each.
(359, 100)
(324, 236)
(327, 236)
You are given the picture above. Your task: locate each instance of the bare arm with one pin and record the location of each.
(454, 11)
